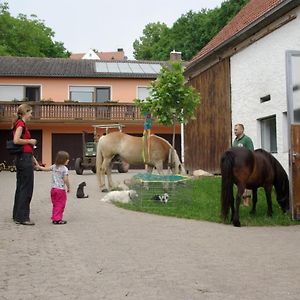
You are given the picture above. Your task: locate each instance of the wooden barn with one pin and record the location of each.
(217, 74)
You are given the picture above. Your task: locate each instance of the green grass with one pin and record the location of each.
(200, 200)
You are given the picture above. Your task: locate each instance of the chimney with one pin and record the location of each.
(174, 55)
(120, 50)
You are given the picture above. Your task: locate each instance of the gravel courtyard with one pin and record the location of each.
(105, 252)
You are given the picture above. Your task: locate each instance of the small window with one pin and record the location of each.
(81, 96)
(102, 94)
(265, 98)
(81, 93)
(143, 92)
(268, 134)
(32, 93)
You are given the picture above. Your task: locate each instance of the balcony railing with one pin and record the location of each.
(73, 111)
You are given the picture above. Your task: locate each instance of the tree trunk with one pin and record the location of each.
(171, 155)
(174, 126)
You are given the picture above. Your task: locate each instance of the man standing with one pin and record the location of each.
(243, 140)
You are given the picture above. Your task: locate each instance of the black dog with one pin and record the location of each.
(80, 192)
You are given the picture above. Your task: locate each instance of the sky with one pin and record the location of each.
(102, 24)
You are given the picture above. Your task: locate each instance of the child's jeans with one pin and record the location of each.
(58, 198)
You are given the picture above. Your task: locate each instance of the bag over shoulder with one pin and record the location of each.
(11, 147)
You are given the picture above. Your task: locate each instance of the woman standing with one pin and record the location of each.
(25, 163)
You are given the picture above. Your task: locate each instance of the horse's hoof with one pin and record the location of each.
(105, 190)
(237, 224)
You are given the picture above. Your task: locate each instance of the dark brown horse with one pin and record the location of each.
(251, 170)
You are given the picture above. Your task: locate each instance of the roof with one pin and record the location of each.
(76, 55)
(251, 13)
(117, 55)
(113, 55)
(127, 67)
(64, 67)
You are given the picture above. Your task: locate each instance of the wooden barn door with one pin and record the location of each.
(70, 142)
(293, 93)
(295, 160)
(209, 135)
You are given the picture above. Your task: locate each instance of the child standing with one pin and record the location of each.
(60, 182)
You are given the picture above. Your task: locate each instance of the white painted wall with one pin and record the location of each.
(90, 55)
(257, 71)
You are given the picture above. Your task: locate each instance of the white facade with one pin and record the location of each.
(260, 70)
(90, 55)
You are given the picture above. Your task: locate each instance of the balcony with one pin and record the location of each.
(74, 112)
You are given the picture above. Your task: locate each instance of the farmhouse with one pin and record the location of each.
(68, 96)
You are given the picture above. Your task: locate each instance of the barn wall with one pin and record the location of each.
(207, 137)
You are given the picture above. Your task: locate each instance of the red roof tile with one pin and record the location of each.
(76, 55)
(117, 55)
(247, 15)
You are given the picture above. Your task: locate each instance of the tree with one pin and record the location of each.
(23, 36)
(148, 46)
(170, 100)
(191, 32)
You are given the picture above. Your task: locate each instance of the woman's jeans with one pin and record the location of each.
(24, 189)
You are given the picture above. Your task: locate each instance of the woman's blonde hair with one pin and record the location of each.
(61, 158)
(22, 110)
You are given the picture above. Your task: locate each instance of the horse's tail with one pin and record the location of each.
(227, 162)
(281, 184)
(99, 160)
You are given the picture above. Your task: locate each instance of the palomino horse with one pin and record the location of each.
(251, 170)
(131, 149)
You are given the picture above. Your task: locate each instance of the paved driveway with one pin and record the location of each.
(106, 252)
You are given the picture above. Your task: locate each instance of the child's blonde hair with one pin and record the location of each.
(61, 158)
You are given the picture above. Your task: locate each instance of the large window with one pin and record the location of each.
(11, 92)
(19, 92)
(268, 134)
(89, 94)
